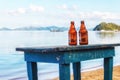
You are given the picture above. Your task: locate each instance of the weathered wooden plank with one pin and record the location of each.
(108, 68)
(77, 70)
(32, 70)
(50, 58)
(64, 71)
(88, 55)
(48, 49)
(72, 56)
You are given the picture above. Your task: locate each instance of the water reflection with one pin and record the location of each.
(107, 37)
(108, 34)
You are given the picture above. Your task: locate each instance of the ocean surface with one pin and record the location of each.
(13, 66)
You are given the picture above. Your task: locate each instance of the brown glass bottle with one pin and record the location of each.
(72, 34)
(83, 34)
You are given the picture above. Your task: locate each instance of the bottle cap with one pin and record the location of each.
(72, 22)
(82, 22)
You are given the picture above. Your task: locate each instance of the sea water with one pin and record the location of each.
(13, 66)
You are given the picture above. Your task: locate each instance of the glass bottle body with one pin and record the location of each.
(72, 34)
(83, 34)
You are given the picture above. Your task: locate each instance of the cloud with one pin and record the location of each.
(18, 11)
(74, 11)
(30, 9)
(66, 7)
(99, 15)
(35, 8)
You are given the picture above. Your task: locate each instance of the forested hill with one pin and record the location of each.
(107, 27)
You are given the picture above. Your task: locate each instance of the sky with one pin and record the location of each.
(21, 13)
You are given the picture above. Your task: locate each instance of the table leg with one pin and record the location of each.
(77, 70)
(64, 71)
(108, 68)
(32, 70)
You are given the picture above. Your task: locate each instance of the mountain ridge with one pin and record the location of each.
(39, 28)
(33, 28)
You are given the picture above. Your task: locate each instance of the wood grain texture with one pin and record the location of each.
(48, 49)
(71, 56)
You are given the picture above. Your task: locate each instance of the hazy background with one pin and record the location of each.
(20, 13)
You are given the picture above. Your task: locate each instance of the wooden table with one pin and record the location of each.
(64, 55)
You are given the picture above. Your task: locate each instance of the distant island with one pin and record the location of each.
(38, 28)
(103, 26)
(107, 27)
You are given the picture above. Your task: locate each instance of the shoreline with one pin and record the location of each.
(97, 74)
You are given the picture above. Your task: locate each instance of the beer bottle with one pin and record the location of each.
(72, 34)
(83, 34)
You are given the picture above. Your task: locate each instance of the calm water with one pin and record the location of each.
(13, 66)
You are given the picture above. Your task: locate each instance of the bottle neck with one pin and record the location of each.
(82, 26)
(72, 26)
